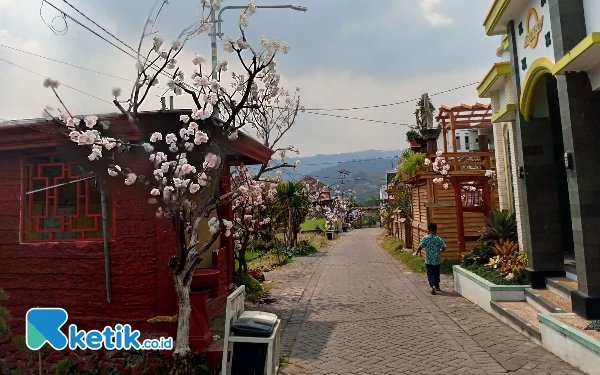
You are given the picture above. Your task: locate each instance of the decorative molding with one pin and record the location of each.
(592, 41)
(501, 69)
(537, 70)
(494, 15)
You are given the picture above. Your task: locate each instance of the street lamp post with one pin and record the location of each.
(218, 20)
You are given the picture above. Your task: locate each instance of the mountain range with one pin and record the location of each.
(367, 170)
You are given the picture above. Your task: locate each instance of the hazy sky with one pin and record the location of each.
(344, 53)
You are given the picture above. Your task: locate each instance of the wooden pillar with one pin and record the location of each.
(445, 139)
(460, 227)
(453, 127)
(483, 143)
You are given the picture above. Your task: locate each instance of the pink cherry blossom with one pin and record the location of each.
(194, 188)
(155, 137)
(198, 60)
(155, 192)
(188, 168)
(170, 138)
(130, 180)
(114, 171)
(200, 138)
(211, 161)
(90, 121)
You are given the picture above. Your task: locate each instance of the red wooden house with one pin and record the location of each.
(52, 249)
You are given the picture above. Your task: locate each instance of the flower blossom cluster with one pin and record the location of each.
(250, 206)
(214, 226)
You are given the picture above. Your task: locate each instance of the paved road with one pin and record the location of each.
(355, 310)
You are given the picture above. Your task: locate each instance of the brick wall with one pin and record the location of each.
(71, 275)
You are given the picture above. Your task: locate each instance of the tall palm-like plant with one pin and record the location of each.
(293, 200)
(501, 225)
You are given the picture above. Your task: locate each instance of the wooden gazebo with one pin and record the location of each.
(461, 209)
(464, 116)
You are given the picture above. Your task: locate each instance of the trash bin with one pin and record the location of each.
(250, 358)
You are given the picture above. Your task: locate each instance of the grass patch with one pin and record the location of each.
(395, 247)
(269, 260)
(253, 286)
(305, 248)
(493, 275)
(309, 225)
(284, 362)
(251, 255)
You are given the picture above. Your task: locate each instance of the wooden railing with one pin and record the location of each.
(466, 161)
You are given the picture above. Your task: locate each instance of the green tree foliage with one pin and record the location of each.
(4, 314)
(372, 201)
(293, 205)
(410, 162)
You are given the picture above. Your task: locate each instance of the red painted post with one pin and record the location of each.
(460, 228)
(486, 197)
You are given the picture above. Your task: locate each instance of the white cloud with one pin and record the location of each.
(430, 12)
(323, 134)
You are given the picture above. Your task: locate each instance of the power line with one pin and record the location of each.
(351, 161)
(100, 27)
(391, 104)
(66, 63)
(90, 30)
(152, 65)
(70, 87)
(360, 119)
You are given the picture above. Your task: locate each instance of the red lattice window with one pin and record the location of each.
(71, 211)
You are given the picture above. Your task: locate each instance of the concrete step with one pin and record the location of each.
(546, 301)
(571, 271)
(519, 315)
(562, 286)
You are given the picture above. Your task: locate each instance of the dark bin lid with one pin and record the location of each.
(252, 327)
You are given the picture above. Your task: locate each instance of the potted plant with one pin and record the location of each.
(413, 137)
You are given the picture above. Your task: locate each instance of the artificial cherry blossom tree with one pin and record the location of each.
(251, 210)
(187, 162)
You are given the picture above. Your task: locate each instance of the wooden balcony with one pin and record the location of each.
(468, 162)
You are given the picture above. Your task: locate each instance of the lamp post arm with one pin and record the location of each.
(219, 32)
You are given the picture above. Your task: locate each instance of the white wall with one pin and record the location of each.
(592, 15)
(540, 50)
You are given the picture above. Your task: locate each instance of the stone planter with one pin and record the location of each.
(569, 344)
(481, 292)
(431, 133)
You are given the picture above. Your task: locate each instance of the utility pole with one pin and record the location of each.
(217, 22)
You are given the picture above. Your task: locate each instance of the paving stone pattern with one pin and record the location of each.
(354, 310)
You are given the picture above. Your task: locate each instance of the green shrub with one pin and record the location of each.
(410, 163)
(479, 255)
(4, 314)
(304, 248)
(260, 245)
(493, 275)
(64, 367)
(253, 287)
(411, 135)
(501, 225)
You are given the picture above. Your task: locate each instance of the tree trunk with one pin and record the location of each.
(290, 229)
(182, 354)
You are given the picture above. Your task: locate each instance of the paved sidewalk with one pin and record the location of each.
(354, 310)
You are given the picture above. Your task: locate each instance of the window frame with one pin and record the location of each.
(24, 204)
